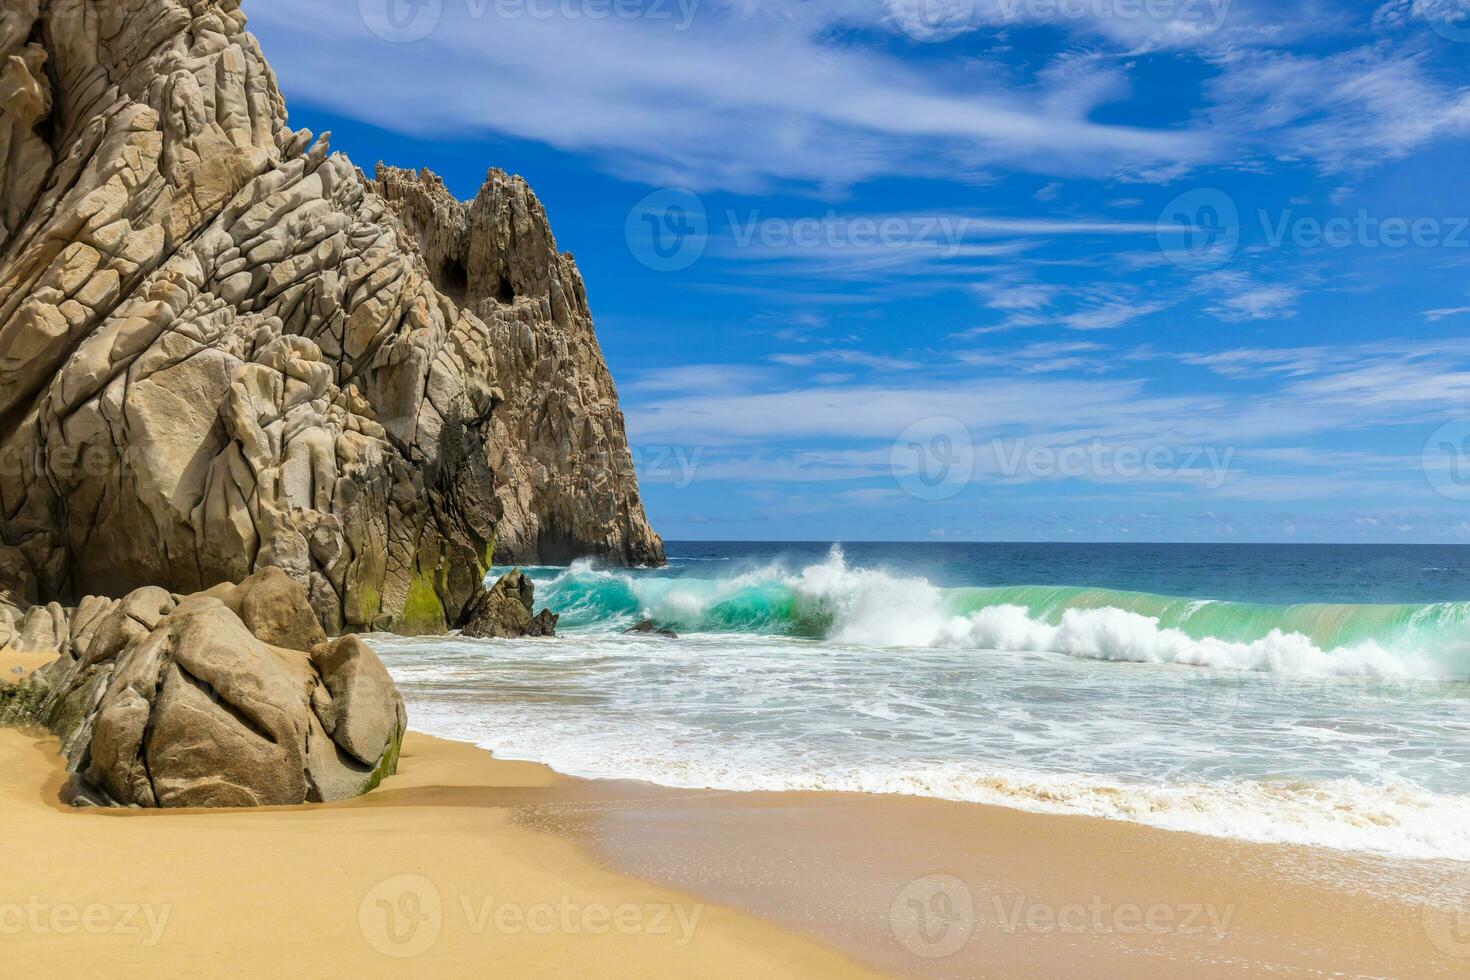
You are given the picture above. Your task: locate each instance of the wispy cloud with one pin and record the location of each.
(856, 358)
(1237, 296)
(845, 431)
(749, 94)
(1347, 111)
(1051, 357)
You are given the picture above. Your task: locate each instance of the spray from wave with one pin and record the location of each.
(833, 601)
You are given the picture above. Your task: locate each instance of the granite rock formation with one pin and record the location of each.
(564, 476)
(223, 349)
(506, 611)
(216, 700)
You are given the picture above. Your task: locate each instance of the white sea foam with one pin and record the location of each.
(1397, 820)
(871, 607)
(859, 680)
(1116, 634)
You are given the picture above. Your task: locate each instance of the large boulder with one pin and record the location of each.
(223, 349)
(504, 612)
(170, 702)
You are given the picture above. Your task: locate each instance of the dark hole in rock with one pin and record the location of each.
(504, 292)
(454, 280)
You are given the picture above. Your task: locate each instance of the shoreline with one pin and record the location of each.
(516, 856)
(431, 873)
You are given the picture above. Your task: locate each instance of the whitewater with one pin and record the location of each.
(1342, 725)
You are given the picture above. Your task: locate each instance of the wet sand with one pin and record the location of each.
(465, 863)
(929, 888)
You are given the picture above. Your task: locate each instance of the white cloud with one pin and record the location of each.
(1050, 357)
(749, 95)
(1348, 111)
(856, 358)
(1239, 297)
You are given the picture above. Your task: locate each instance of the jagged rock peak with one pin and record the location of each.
(565, 477)
(223, 350)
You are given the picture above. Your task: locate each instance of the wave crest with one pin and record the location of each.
(870, 607)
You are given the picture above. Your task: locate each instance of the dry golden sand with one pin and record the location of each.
(307, 892)
(485, 867)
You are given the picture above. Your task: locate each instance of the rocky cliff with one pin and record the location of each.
(223, 349)
(564, 476)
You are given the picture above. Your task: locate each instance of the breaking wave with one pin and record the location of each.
(833, 601)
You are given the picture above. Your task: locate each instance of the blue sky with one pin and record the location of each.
(1167, 270)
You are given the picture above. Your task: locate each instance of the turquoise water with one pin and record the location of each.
(1251, 692)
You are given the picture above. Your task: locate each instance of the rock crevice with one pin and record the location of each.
(226, 698)
(223, 349)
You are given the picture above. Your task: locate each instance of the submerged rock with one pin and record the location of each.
(167, 701)
(649, 626)
(504, 612)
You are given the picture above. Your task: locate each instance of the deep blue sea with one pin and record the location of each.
(1264, 573)
(1312, 694)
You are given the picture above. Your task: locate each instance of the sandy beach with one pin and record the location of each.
(465, 863)
(433, 876)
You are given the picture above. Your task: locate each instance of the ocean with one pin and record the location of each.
(1315, 695)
